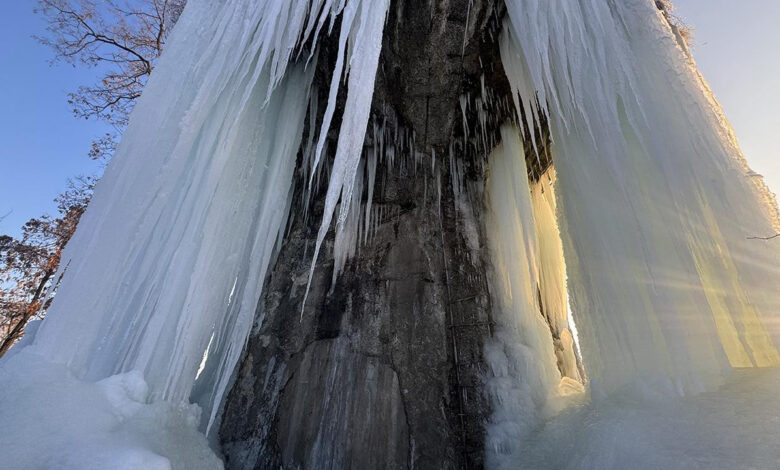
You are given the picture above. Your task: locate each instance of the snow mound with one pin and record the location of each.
(735, 426)
(54, 420)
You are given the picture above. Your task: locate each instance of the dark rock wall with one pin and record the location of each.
(383, 369)
(367, 377)
(431, 55)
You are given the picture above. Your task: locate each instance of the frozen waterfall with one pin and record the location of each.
(656, 201)
(656, 207)
(625, 286)
(161, 282)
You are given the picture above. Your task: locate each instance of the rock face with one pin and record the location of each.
(366, 378)
(384, 368)
(431, 55)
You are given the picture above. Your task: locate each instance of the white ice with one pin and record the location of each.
(162, 279)
(656, 207)
(655, 204)
(524, 378)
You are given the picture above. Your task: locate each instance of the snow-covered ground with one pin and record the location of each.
(734, 427)
(52, 420)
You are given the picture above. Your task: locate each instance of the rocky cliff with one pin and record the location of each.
(383, 369)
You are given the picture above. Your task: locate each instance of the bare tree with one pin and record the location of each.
(771, 237)
(28, 265)
(122, 38)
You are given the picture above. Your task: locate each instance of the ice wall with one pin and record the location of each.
(525, 376)
(656, 201)
(168, 260)
(164, 274)
(553, 299)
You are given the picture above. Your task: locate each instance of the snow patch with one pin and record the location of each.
(55, 420)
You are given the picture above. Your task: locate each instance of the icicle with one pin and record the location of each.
(482, 117)
(347, 20)
(363, 66)
(466, 29)
(308, 162)
(653, 210)
(192, 210)
(454, 177)
(168, 261)
(463, 104)
(347, 239)
(371, 169)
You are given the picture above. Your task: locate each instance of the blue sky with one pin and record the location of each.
(736, 44)
(41, 143)
(737, 48)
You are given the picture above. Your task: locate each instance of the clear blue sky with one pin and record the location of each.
(41, 143)
(737, 46)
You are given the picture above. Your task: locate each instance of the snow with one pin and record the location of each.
(735, 426)
(55, 420)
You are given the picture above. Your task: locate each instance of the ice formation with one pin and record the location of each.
(656, 203)
(656, 206)
(162, 279)
(191, 209)
(529, 365)
(364, 47)
(650, 204)
(553, 299)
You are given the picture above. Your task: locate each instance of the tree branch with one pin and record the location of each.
(765, 238)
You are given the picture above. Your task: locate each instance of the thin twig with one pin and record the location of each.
(764, 238)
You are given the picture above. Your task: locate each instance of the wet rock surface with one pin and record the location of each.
(366, 377)
(384, 368)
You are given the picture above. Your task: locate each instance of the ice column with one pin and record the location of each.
(524, 373)
(656, 201)
(165, 271)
